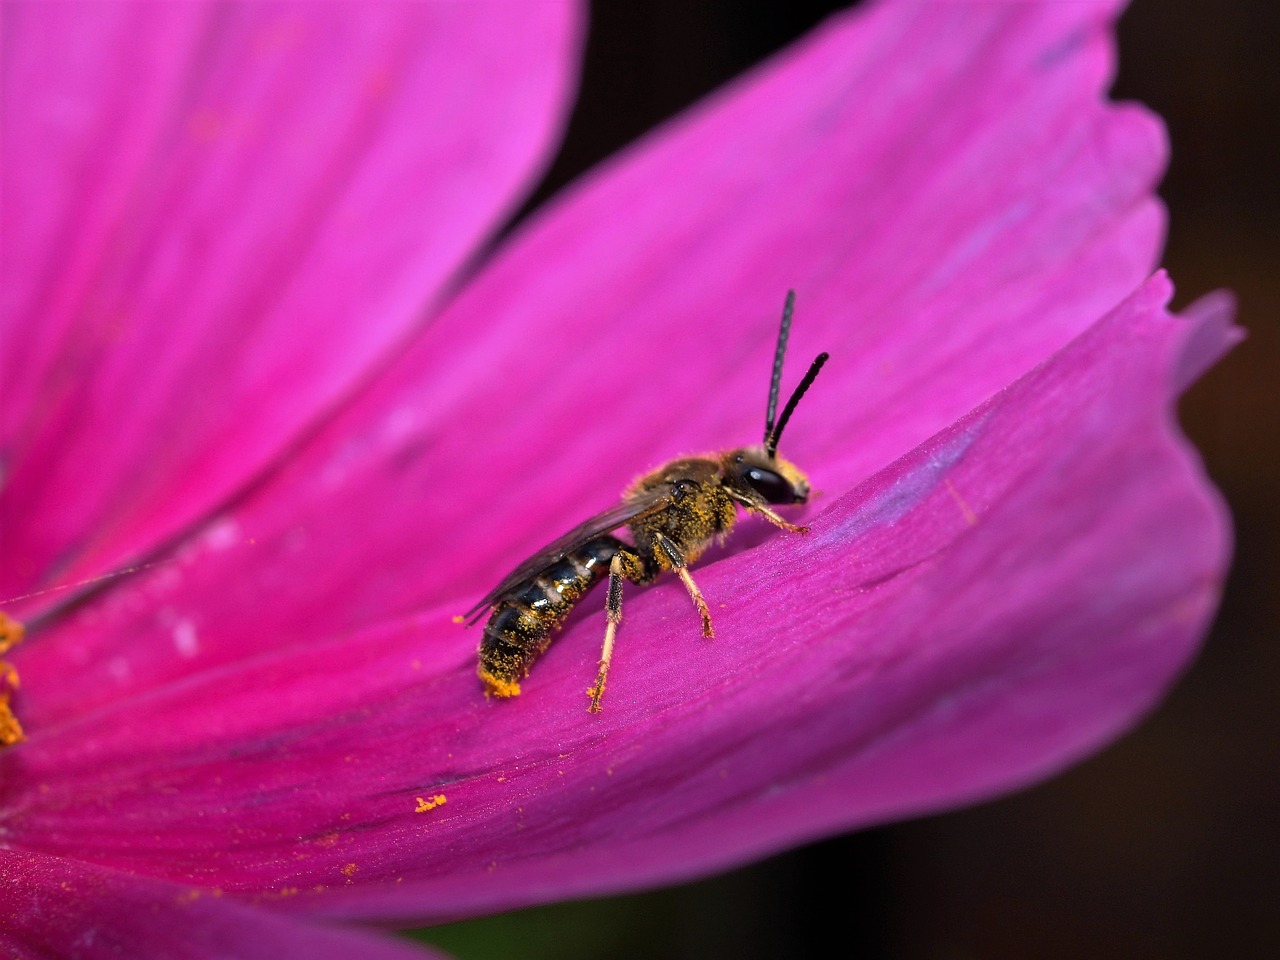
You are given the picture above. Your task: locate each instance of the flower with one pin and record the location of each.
(221, 376)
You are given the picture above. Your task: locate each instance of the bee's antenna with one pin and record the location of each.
(771, 439)
(779, 355)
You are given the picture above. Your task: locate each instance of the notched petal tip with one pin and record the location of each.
(1214, 334)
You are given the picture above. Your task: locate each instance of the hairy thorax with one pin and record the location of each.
(706, 512)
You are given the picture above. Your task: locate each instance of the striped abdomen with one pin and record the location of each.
(521, 624)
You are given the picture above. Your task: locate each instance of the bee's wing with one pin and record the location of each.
(642, 504)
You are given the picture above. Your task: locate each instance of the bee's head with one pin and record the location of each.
(753, 470)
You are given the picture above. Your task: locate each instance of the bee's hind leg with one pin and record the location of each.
(620, 566)
(676, 557)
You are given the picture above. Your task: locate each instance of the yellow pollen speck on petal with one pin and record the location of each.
(459, 618)
(430, 803)
(349, 870)
(10, 728)
(10, 633)
(10, 636)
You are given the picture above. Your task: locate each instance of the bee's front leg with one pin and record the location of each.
(764, 510)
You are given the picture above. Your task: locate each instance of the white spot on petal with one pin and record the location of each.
(185, 639)
(222, 535)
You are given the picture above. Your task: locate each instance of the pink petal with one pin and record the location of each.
(634, 320)
(992, 606)
(63, 908)
(233, 729)
(218, 219)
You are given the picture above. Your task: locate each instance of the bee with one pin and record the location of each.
(672, 514)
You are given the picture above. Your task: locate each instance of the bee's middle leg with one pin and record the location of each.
(681, 568)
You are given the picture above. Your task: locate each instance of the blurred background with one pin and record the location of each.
(1166, 844)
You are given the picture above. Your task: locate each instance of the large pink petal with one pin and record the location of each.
(992, 606)
(944, 184)
(217, 217)
(55, 908)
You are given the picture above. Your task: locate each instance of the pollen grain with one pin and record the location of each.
(10, 728)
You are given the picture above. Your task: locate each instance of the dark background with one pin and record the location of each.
(1165, 844)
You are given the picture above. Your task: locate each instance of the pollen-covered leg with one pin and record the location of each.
(773, 518)
(704, 611)
(675, 556)
(613, 617)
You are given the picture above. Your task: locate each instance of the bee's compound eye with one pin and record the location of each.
(772, 486)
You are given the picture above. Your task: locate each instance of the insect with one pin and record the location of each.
(672, 513)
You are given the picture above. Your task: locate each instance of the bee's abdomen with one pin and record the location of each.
(522, 623)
